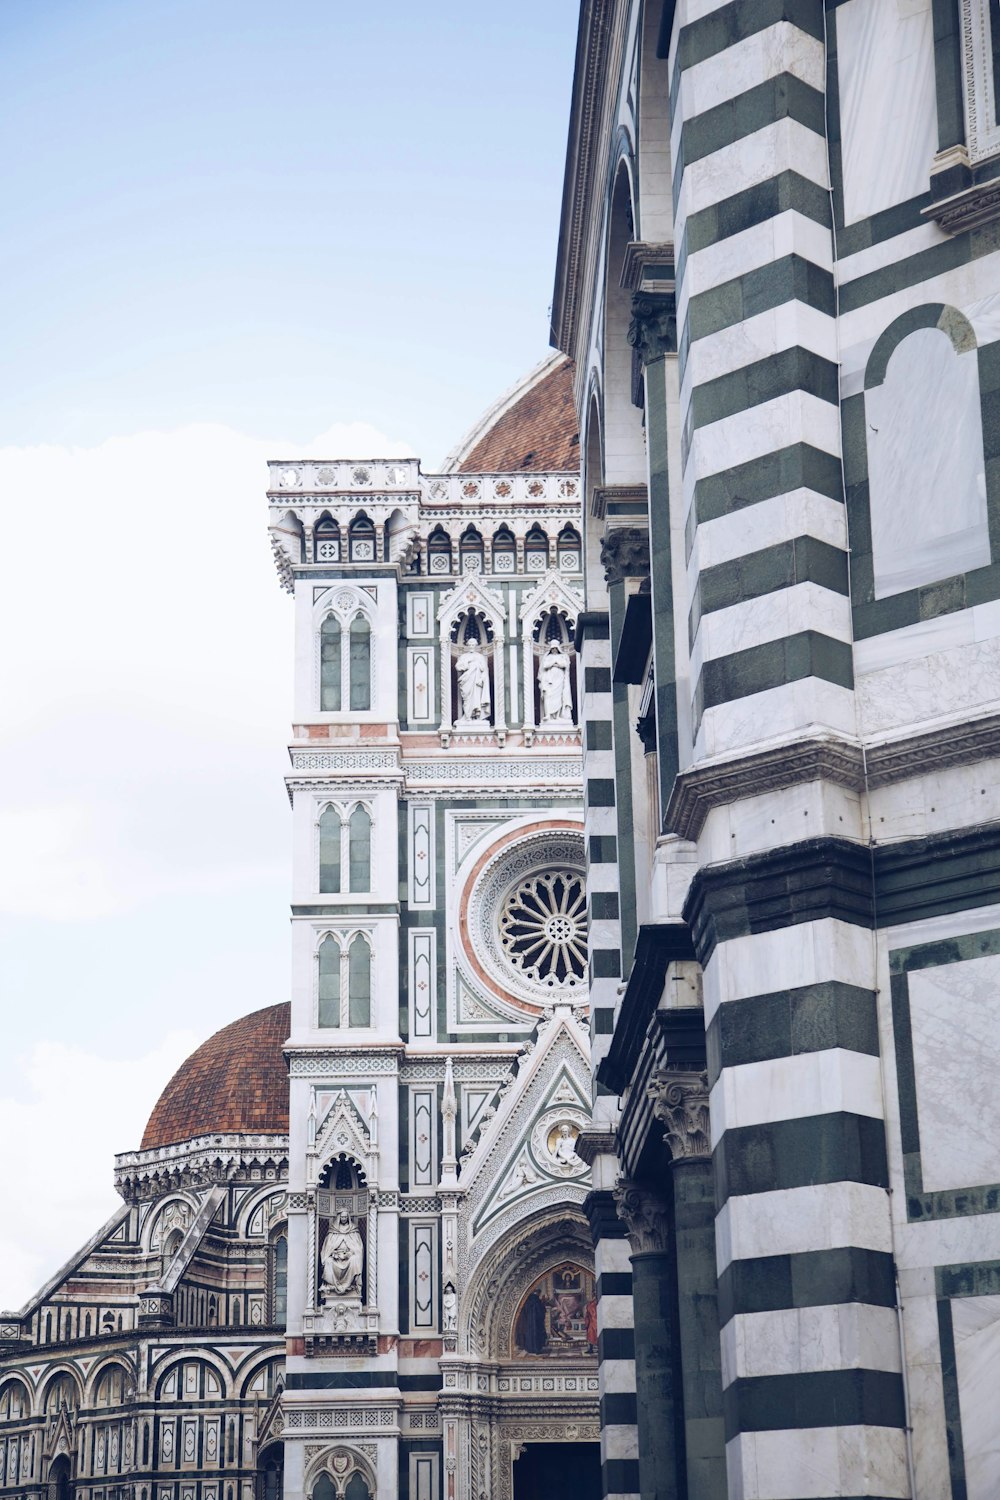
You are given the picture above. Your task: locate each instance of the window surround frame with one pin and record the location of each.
(345, 810)
(344, 938)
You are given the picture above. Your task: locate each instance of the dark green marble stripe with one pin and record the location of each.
(802, 559)
(781, 374)
(789, 1023)
(792, 278)
(733, 23)
(812, 1278)
(783, 97)
(799, 466)
(774, 664)
(819, 1398)
(808, 1152)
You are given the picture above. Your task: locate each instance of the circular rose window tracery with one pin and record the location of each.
(543, 928)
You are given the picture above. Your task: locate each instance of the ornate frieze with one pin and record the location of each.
(680, 1102)
(644, 1214)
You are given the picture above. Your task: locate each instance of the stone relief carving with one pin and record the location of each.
(625, 553)
(680, 1102)
(342, 1257)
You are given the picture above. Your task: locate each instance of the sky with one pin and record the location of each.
(229, 230)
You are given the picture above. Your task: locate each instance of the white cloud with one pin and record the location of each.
(145, 682)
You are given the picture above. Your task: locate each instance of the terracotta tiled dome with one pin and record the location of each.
(236, 1081)
(532, 427)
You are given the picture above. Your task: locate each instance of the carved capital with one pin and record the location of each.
(644, 1214)
(625, 553)
(652, 332)
(680, 1102)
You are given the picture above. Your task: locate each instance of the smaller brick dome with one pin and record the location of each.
(236, 1081)
(532, 427)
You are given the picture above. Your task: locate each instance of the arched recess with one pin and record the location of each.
(269, 1476)
(15, 1399)
(340, 1473)
(60, 1478)
(61, 1390)
(498, 1284)
(624, 438)
(656, 201)
(110, 1384)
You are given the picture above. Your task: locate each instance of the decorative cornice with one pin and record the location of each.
(644, 1214)
(701, 787)
(633, 496)
(657, 945)
(643, 258)
(949, 745)
(652, 332)
(969, 209)
(625, 553)
(590, 1144)
(680, 1102)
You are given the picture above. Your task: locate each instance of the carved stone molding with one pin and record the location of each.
(644, 1214)
(625, 553)
(652, 332)
(680, 1102)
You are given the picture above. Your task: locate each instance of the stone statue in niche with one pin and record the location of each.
(449, 1300)
(473, 683)
(342, 1257)
(553, 685)
(563, 1148)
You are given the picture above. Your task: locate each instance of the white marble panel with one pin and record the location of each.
(788, 233)
(733, 440)
(954, 798)
(777, 818)
(914, 642)
(754, 159)
(818, 1463)
(800, 512)
(789, 325)
(800, 1340)
(762, 719)
(888, 107)
(924, 1387)
(943, 686)
(809, 953)
(925, 442)
(771, 617)
(795, 1088)
(955, 1018)
(790, 1221)
(782, 48)
(976, 1324)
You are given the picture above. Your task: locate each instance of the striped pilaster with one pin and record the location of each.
(615, 1348)
(600, 823)
(769, 621)
(813, 1396)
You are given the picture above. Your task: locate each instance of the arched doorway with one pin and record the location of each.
(270, 1472)
(547, 1469)
(60, 1479)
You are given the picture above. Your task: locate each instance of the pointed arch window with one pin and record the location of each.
(568, 550)
(360, 850)
(279, 1283)
(360, 663)
(345, 973)
(536, 550)
(330, 835)
(362, 538)
(326, 539)
(471, 549)
(345, 671)
(439, 551)
(330, 665)
(504, 551)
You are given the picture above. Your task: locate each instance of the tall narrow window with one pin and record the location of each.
(280, 1280)
(360, 850)
(359, 983)
(329, 851)
(329, 982)
(329, 690)
(360, 663)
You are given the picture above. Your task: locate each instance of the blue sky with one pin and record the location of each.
(229, 231)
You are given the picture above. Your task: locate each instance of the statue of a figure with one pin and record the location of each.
(473, 682)
(553, 682)
(342, 1256)
(564, 1149)
(449, 1300)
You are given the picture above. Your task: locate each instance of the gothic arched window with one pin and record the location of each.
(360, 850)
(439, 551)
(362, 539)
(504, 551)
(359, 983)
(330, 667)
(279, 1281)
(326, 539)
(329, 982)
(360, 663)
(330, 829)
(471, 551)
(536, 550)
(568, 550)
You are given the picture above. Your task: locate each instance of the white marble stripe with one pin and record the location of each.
(782, 146)
(792, 324)
(770, 617)
(788, 233)
(791, 1221)
(887, 252)
(761, 720)
(809, 953)
(614, 1310)
(619, 1377)
(818, 1463)
(795, 418)
(799, 512)
(801, 1340)
(796, 1088)
(961, 286)
(781, 48)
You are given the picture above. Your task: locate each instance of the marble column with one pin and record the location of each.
(647, 1219)
(680, 1102)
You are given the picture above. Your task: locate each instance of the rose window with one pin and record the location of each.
(543, 929)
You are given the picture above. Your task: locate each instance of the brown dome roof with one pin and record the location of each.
(535, 430)
(236, 1081)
